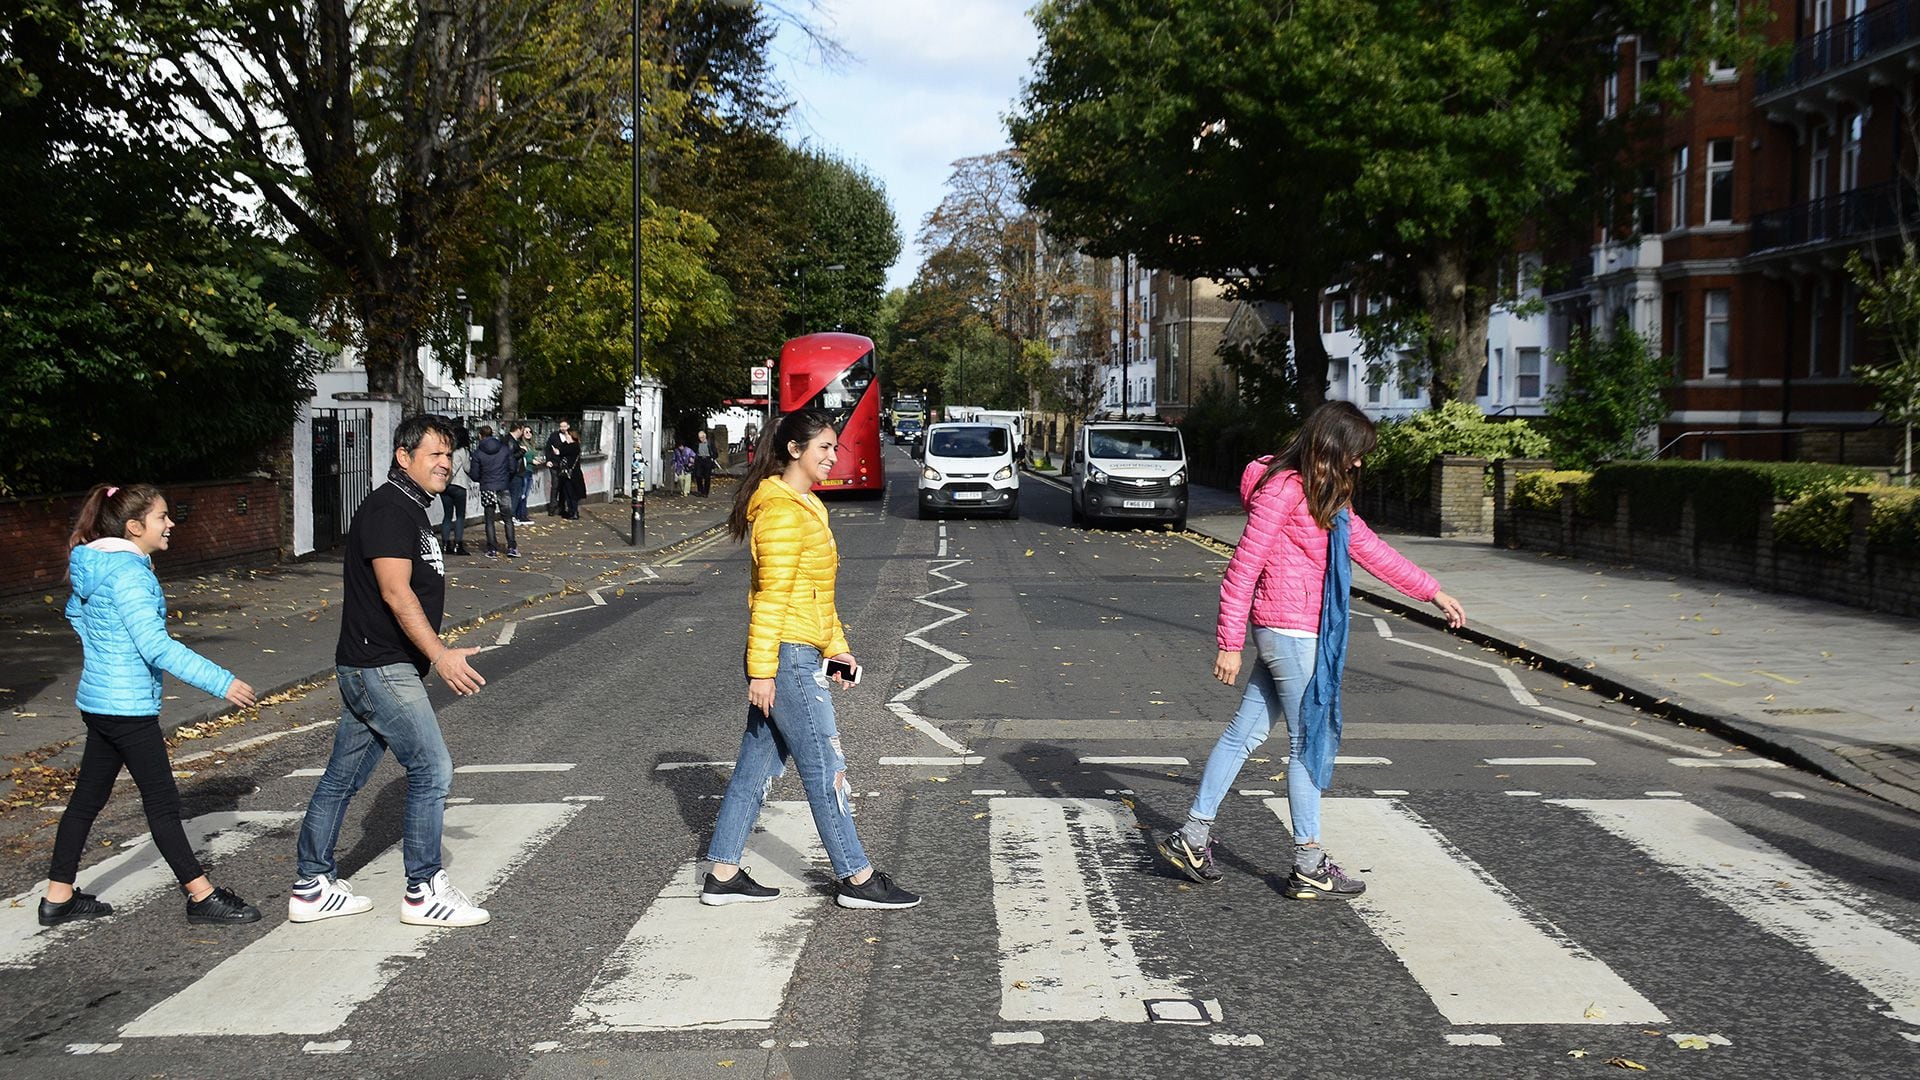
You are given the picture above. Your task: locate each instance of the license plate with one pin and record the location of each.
(1137, 504)
(968, 496)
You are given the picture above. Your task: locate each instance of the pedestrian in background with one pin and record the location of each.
(683, 468)
(563, 457)
(526, 461)
(1292, 571)
(492, 471)
(120, 613)
(793, 629)
(703, 464)
(453, 501)
(394, 595)
(555, 440)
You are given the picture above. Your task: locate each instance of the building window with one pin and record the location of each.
(1720, 180)
(1337, 379)
(1526, 374)
(1610, 103)
(1489, 375)
(1719, 304)
(1850, 152)
(1817, 328)
(1713, 450)
(1817, 164)
(1849, 313)
(1374, 384)
(1677, 333)
(1646, 68)
(1342, 320)
(1677, 190)
(1646, 203)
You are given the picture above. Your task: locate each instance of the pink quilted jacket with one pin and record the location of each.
(1277, 570)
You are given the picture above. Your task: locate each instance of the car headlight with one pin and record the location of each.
(1095, 476)
(928, 473)
(1178, 478)
(1005, 473)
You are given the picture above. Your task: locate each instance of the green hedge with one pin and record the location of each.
(1823, 520)
(1542, 490)
(1727, 495)
(1400, 467)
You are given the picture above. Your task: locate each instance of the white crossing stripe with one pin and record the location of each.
(687, 966)
(1124, 760)
(1472, 945)
(531, 766)
(1066, 948)
(967, 759)
(1541, 760)
(134, 876)
(307, 978)
(1738, 763)
(668, 766)
(1342, 759)
(1818, 913)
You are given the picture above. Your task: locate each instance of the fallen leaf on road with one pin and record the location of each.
(873, 941)
(1690, 1042)
(1029, 553)
(937, 779)
(1594, 1012)
(1624, 1063)
(979, 815)
(1020, 984)
(1576, 1053)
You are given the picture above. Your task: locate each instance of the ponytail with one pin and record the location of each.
(771, 458)
(107, 510)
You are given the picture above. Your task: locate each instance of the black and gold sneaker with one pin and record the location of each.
(1325, 882)
(1197, 865)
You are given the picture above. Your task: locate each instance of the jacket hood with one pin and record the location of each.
(90, 565)
(492, 444)
(773, 490)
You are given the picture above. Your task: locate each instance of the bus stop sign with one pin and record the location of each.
(762, 378)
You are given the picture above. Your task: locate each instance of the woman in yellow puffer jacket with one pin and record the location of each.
(793, 630)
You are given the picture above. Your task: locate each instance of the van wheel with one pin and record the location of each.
(926, 512)
(1013, 509)
(1179, 524)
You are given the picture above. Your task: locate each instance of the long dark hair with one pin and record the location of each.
(1323, 454)
(107, 510)
(772, 458)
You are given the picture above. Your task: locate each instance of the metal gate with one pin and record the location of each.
(342, 470)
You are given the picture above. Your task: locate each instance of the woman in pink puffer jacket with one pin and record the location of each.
(1277, 577)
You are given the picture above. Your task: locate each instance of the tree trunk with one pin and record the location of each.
(505, 360)
(392, 353)
(1309, 350)
(1455, 294)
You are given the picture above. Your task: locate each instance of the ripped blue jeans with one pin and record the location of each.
(801, 727)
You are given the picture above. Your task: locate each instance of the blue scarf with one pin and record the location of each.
(1320, 705)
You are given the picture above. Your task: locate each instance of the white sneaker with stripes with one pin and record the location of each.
(321, 897)
(435, 902)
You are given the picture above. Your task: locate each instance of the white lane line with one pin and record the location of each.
(131, 878)
(955, 661)
(598, 600)
(1741, 763)
(1066, 946)
(967, 759)
(1018, 1038)
(1666, 795)
(338, 1046)
(1471, 944)
(306, 772)
(1380, 626)
(1629, 732)
(583, 798)
(262, 740)
(1095, 759)
(1538, 761)
(1476, 1039)
(506, 634)
(92, 1048)
(684, 966)
(1390, 791)
(987, 791)
(668, 766)
(307, 979)
(1824, 915)
(941, 552)
(562, 611)
(696, 549)
(1342, 759)
(530, 766)
(1523, 794)
(1256, 792)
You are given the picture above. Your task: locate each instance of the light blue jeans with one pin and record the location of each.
(386, 709)
(802, 727)
(1278, 681)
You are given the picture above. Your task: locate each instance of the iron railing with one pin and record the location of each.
(1850, 215)
(1851, 41)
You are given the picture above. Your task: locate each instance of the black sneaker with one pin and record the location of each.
(493, 553)
(1327, 882)
(1197, 865)
(514, 553)
(878, 891)
(738, 889)
(222, 906)
(80, 906)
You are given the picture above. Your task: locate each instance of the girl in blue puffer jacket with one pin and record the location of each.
(121, 615)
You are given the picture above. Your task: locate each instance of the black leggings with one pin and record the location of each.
(136, 742)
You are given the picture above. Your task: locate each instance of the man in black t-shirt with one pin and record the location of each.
(395, 595)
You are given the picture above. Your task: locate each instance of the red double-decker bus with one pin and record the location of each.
(834, 372)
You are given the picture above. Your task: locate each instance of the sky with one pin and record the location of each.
(930, 82)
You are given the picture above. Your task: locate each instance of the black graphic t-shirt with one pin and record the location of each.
(390, 524)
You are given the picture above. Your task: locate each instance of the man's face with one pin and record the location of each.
(563, 426)
(430, 464)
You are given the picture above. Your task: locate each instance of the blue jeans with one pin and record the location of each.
(520, 484)
(386, 709)
(801, 726)
(1278, 681)
(453, 519)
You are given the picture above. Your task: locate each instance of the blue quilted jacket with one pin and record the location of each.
(120, 613)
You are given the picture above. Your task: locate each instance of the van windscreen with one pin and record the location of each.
(969, 442)
(1134, 445)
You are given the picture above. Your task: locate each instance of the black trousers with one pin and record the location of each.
(703, 475)
(135, 742)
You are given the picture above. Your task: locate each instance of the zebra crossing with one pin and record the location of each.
(1075, 943)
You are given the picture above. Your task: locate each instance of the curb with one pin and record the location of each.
(1766, 741)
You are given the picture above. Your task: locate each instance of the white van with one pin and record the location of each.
(1129, 471)
(968, 467)
(1013, 419)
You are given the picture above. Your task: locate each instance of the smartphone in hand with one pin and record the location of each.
(848, 673)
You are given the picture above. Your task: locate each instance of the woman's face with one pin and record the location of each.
(817, 456)
(153, 531)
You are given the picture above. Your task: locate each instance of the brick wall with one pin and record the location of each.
(216, 524)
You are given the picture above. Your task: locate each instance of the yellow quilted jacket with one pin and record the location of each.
(794, 563)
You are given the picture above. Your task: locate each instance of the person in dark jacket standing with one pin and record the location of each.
(703, 465)
(563, 457)
(492, 470)
(526, 460)
(121, 616)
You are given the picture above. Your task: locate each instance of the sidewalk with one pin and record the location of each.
(275, 627)
(1831, 688)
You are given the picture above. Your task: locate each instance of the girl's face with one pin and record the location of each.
(154, 531)
(815, 459)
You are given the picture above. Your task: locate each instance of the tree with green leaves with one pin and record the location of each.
(1611, 397)
(1890, 306)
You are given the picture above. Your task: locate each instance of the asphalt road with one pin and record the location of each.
(1037, 698)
